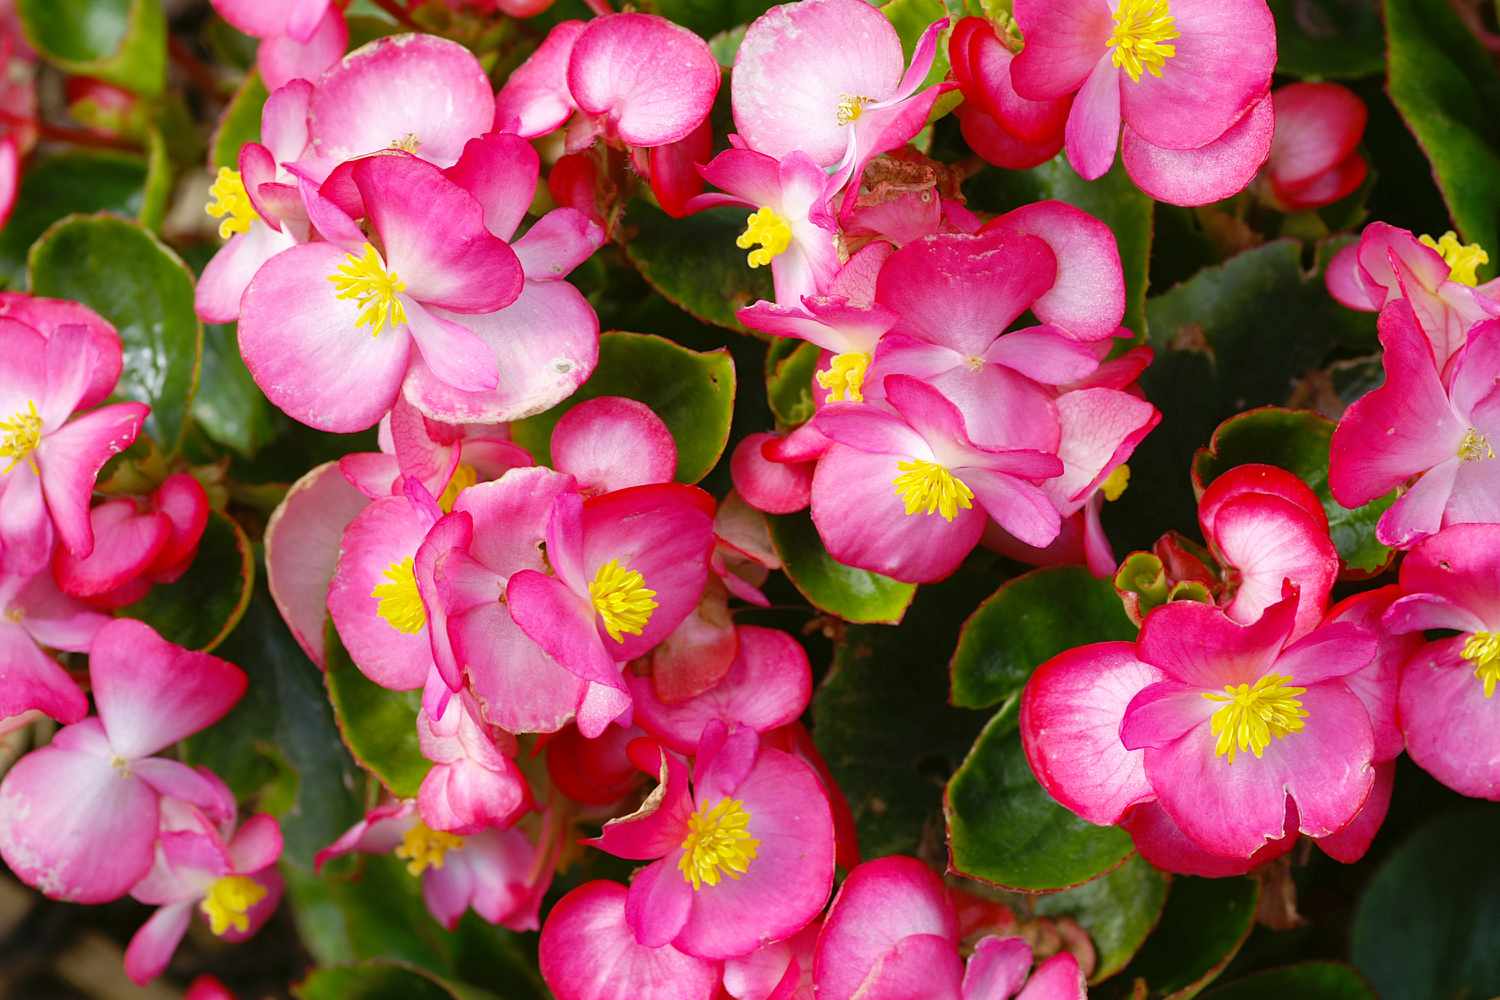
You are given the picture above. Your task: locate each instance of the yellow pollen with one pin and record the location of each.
(1115, 483)
(1463, 261)
(400, 601)
(408, 142)
(1483, 650)
(365, 280)
(622, 599)
(1475, 447)
(850, 108)
(463, 477)
(1254, 715)
(770, 231)
(718, 841)
(845, 377)
(231, 203)
(16, 615)
(1142, 29)
(924, 484)
(228, 903)
(19, 437)
(422, 847)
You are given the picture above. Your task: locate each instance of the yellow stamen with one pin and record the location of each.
(19, 437)
(408, 143)
(463, 477)
(1483, 650)
(231, 203)
(400, 601)
(1253, 715)
(423, 847)
(1115, 483)
(1463, 261)
(365, 280)
(1475, 447)
(845, 377)
(1142, 29)
(622, 599)
(850, 108)
(228, 903)
(924, 484)
(718, 842)
(768, 229)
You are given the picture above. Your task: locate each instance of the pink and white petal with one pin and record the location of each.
(1346, 283)
(871, 430)
(70, 459)
(510, 518)
(518, 686)
(562, 624)
(26, 535)
(659, 902)
(1161, 842)
(126, 543)
(1353, 841)
(1476, 488)
(500, 170)
(1208, 173)
(45, 316)
(72, 353)
(32, 680)
(453, 353)
(1318, 125)
(557, 243)
(1058, 978)
(1419, 512)
(259, 18)
(997, 968)
(773, 487)
(1100, 430)
(920, 965)
(1093, 131)
(651, 79)
(1064, 42)
(535, 99)
(1199, 644)
(1269, 540)
(611, 443)
(283, 120)
(658, 826)
(154, 942)
(1377, 684)
(173, 779)
(1163, 713)
(1462, 565)
(1071, 713)
(284, 59)
(256, 845)
(1087, 301)
(1451, 727)
(1332, 650)
(1045, 354)
(449, 889)
(1021, 508)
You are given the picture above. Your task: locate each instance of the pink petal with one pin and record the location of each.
(774, 487)
(988, 138)
(1376, 685)
(284, 59)
(1350, 844)
(611, 443)
(1161, 842)
(557, 243)
(1087, 301)
(45, 316)
(453, 353)
(174, 780)
(501, 172)
(126, 543)
(1269, 541)
(32, 680)
(183, 501)
(998, 967)
(1462, 566)
(1208, 173)
(153, 944)
(1200, 645)
(70, 459)
(1450, 725)
(25, 529)
(1064, 41)
(1347, 285)
(653, 80)
(1019, 507)
(1419, 511)
(1100, 430)
(1163, 713)
(283, 120)
(659, 902)
(518, 686)
(1058, 978)
(1318, 125)
(535, 99)
(1093, 130)
(562, 624)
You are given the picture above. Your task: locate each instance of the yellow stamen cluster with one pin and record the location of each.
(19, 437)
(365, 280)
(1475, 447)
(423, 847)
(1254, 715)
(1483, 650)
(400, 601)
(408, 143)
(718, 843)
(927, 488)
(228, 903)
(622, 599)
(850, 108)
(845, 377)
(768, 229)
(1142, 29)
(1463, 260)
(463, 477)
(230, 202)
(1115, 483)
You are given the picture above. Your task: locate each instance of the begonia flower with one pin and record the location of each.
(474, 784)
(48, 316)
(78, 818)
(612, 443)
(1315, 158)
(999, 124)
(781, 970)
(299, 38)
(35, 617)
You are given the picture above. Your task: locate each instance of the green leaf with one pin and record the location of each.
(1328, 39)
(1297, 440)
(1119, 910)
(1202, 928)
(1306, 981)
(1025, 623)
(694, 263)
(1113, 198)
(383, 980)
(882, 722)
(123, 42)
(132, 279)
(158, 192)
(229, 406)
(240, 122)
(692, 392)
(790, 365)
(56, 186)
(1427, 923)
(1445, 87)
(708, 17)
(1004, 829)
(205, 604)
(378, 726)
(854, 595)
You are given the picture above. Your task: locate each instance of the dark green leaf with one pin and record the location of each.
(1025, 623)
(378, 726)
(789, 373)
(1308, 981)
(383, 980)
(229, 406)
(1201, 930)
(133, 280)
(694, 262)
(1118, 910)
(158, 191)
(123, 42)
(240, 122)
(854, 595)
(208, 601)
(692, 392)
(708, 17)
(1328, 39)
(55, 186)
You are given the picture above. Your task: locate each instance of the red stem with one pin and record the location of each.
(600, 7)
(66, 133)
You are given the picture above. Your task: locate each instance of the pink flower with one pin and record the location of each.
(1419, 425)
(34, 617)
(473, 784)
(79, 817)
(745, 857)
(1315, 157)
(999, 124)
(782, 970)
(1447, 707)
(232, 882)
(48, 316)
(1188, 79)
(50, 460)
(612, 443)
(299, 38)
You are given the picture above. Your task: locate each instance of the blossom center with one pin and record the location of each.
(422, 847)
(1475, 447)
(1115, 483)
(1253, 715)
(407, 143)
(230, 203)
(845, 377)
(463, 477)
(1142, 29)
(926, 487)
(850, 107)
(718, 842)
(20, 436)
(622, 599)
(400, 601)
(771, 231)
(1463, 260)
(228, 903)
(373, 288)
(1483, 650)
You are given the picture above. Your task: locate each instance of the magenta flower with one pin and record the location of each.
(35, 617)
(612, 443)
(999, 124)
(299, 38)
(1417, 424)
(79, 817)
(473, 785)
(1315, 158)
